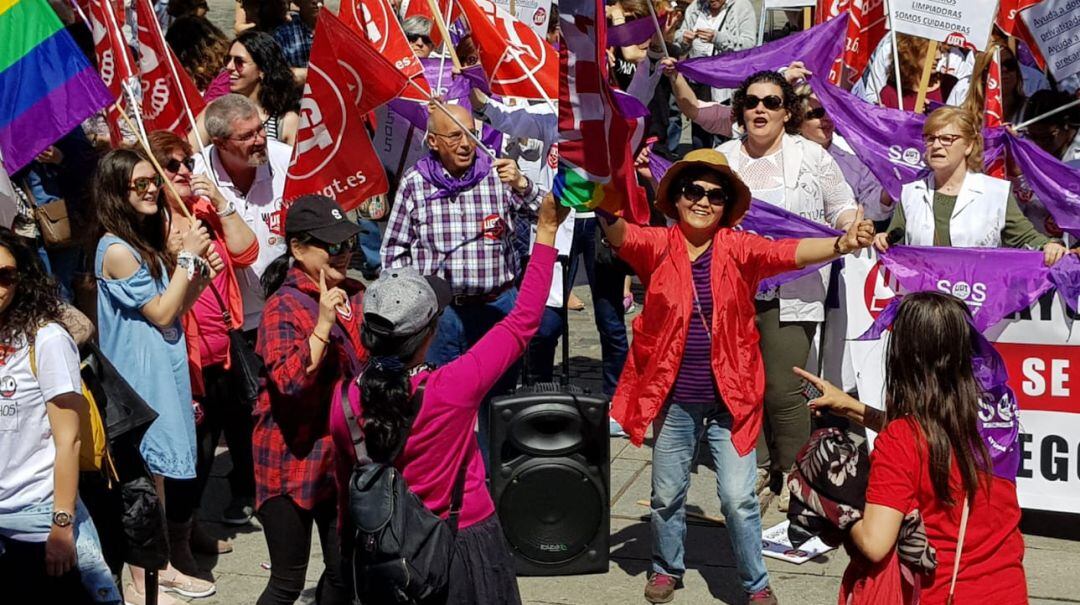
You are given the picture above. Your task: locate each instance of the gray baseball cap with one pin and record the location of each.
(401, 302)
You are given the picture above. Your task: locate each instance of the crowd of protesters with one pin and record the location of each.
(186, 268)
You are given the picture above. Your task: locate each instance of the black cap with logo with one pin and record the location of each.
(321, 217)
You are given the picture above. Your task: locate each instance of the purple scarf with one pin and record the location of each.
(447, 186)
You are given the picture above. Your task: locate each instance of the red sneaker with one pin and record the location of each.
(764, 596)
(660, 588)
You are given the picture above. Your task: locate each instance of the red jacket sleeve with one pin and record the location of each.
(759, 257)
(643, 248)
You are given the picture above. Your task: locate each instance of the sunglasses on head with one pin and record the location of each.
(142, 184)
(421, 37)
(815, 114)
(772, 102)
(173, 165)
(694, 192)
(9, 276)
(338, 248)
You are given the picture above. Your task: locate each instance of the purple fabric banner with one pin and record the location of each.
(1001, 430)
(455, 90)
(631, 33)
(1056, 184)
(888, 141)
(817, 47)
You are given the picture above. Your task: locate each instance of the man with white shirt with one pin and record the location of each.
(250, 173)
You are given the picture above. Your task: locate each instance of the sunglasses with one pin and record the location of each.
(425, 39)
(694, 192)
(142, 184)
(173, 165)
(237, 62)
(772, 102)
(946, 140)
(338, 248)
(815, 114)
(9, 276)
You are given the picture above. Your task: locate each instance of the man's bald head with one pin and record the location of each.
(448, 139)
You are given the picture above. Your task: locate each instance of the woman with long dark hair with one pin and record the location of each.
(258, 70)
(144, 288)
(401, 314)
(47, 540)
(309, 337)
(201, 49)
(930, 456)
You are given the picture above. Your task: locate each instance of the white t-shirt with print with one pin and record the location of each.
(27, 452)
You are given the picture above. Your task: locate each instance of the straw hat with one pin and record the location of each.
(702, 158)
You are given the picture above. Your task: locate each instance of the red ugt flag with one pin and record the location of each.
(113, 58)
(518, 62)
(333, 155)
(374, 20)
(995, 109)
(866, 28)
(166, 87)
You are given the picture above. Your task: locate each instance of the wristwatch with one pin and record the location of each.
(61, 518)
(230, 209)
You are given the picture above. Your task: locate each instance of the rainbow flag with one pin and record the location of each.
(47, 85)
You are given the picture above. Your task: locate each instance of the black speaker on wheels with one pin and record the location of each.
(550, 475)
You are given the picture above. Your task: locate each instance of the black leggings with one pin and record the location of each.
(223, 412)
(287, 529)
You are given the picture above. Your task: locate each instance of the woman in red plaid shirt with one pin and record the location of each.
(309, 336)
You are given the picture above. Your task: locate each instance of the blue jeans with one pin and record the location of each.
(678, 431)
(96, 577)
(542, 349)
(460, 327)
(606, 287)
(370, 241)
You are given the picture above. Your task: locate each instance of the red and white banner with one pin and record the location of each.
(376, 21)
(333, 154)
(866, 28)
(1040, 350)
(114, 60)
(518, 63)
(168, 93)
(994, 108)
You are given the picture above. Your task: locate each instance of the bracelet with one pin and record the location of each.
(836, 246)
(325, 341)
(186, 260)
(230, 209)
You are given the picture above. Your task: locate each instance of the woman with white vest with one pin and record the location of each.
(783, 168)
(956, 205)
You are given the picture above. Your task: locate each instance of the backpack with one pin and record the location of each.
(93, 445)
(401, 550)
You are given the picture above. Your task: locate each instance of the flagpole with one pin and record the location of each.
(532, 78)
(183, 99)
(445, 33)
(656, 24)
(442, 59)
(1026, 123)
(895, 60)
(468, 131)
(135, 108)
(161, 172)
(78, 9)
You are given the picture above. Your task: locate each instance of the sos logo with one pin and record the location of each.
(909, 156)
(973, 294)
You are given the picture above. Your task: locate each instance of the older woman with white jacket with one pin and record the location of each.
(783, 168)
(957, 205)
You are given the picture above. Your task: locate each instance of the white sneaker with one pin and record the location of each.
(185, 586)
(615, 429)
(134, 597)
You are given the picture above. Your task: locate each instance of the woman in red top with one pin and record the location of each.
(930, 456)
(309, 337)
(694, 364)
(207, 339)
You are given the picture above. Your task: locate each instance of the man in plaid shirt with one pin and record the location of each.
(453, 217)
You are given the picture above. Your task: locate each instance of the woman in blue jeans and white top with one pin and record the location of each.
(694, 364)
(45, 531)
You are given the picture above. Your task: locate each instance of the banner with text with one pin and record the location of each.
(1040, 351)
(1055, 27)
(964, 23)
(534, 13)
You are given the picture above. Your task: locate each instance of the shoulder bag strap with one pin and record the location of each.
(959, 551)
(359, 447)
(225, 315)
(457, 495)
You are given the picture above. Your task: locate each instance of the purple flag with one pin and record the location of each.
(1056, 184)
(888, 141)
(999, 423)
(993, 282)
(455, 90)
(631, 33)
(817, 47)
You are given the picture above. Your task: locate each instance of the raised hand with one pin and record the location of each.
(859, 234)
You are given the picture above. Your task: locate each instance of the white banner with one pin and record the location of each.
(1040, 351)
(963, 23)
(1055, 25)
(534, 13)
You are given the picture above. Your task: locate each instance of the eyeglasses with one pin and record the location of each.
(237, 62)
(815, 114)
(142, 184)
(693, 192)
(456, 138)
(772, 102)
(946, 140)
(338, 248)
(251, 136)
(9, 276)
(173, 165)
(425, 39)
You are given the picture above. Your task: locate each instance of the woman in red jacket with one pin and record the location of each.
(930, 456)
(695, 364)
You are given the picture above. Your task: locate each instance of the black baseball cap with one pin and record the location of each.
(321, 217)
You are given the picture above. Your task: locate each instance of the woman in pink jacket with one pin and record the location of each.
(401, 313)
